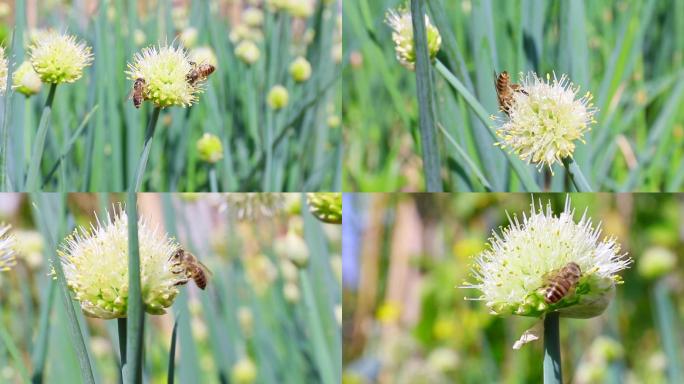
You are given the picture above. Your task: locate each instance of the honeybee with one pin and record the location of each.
(505, 90)
(560, 282)
(138, 88)
(193, 268)
(199, 72)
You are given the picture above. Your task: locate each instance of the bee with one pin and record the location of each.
(193, 268)
(560, 282)
(199, 72)
(505, 90)
(137, 94)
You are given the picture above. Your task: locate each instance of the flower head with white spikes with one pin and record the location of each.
(164, 70)
(402, 34)
(7, 246)
(95, 263)
(545, 120)
(59, 58)
(3, 71)
(513, 273)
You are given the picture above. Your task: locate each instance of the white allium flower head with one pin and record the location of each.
(402, 34)
(3, 71)
(95, 263)
(164, 69)
(7, 246)
(59, 58)
(513, 272)
(546, 120)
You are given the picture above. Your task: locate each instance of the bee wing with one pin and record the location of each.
(206, 270)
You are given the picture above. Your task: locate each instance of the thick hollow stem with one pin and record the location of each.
(428, 135)
(576, 176)
(552, 354)
(142, 163)
(213, 182)
(135, 332)
(33, 178)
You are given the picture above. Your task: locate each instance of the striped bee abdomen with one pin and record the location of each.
(562, 282)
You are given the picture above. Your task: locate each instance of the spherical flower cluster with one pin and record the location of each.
(203, 55)
(95, 263)
(546, 119)
(25, 80)
(300, 70)
(327, 207)
(244, 371)
(402, 34)
(3, 71)
(164, 70)
(253, 17)
(209, 148)
(59, 58)
(278, 97)
(514, 273)
(7, 244)
(248, 52)
(188, 37)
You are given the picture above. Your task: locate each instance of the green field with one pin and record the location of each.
(90, 137)
(628, 54)
(270, 312)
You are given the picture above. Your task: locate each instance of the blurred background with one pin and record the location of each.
(96, 130)
(406, 320)
(629, 54)
(253, 324)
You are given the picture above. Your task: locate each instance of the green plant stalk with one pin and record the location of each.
(12, 349)
(142, 163)
(213, 183)
(74, 327)
(576, 176)
(322, 352)
(122, 325)
(172, 353)
(41, 345)
(135, 327)
(552, 354)
(469, 162)
(428, 137)
(518, 166)
(667, 325)
(33, 178)
(4, 174)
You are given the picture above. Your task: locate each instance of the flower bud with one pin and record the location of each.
(25, 80)
(209, 148)
(248, 52)
(656, 262)
(278, 97)
(188, 37)
(327, 207)
(244, 371)
(402, 34)
(300, 70)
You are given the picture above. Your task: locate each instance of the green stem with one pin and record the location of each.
(41, 345)
(428, 137)
(12, 349)
(171, 375)
(33, 179)
(667, 325)
(135, 330)
(142, 163)
(213, 183)
(121, 327)
(552, 354)
(518, 166)
(576, 176)
(322, 351)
